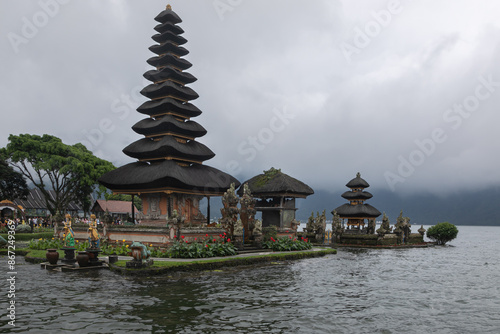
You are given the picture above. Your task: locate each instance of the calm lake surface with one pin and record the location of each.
(439, 290)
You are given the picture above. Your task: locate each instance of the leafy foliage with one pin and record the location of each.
(267, 176)
(71, 171)
(23, 228)
(287, 244)
(442, 232)
(269, 232)
(45, 244)
(12, 183)
(183, 249)
(179, 249)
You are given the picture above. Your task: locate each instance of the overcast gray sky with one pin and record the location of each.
(405, 92)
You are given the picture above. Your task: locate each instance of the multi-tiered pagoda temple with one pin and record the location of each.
(356, 211)
(169, 173)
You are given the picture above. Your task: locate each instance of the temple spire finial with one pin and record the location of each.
(169, 7)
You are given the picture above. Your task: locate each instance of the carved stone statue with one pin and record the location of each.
(247, 211)
(403, 228)
(406, 227)
(69, 235)
(238, 228)
(311, 223)
(371, 226)
(175, 222)
(230, 209)
(143, 254)
(337, 228)
(320, 226)
(386, 224)
(421, 230)
(257, 227)
(94, 238)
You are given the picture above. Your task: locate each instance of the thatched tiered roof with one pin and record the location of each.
(356, 208)
(274, 183)
(170, 158)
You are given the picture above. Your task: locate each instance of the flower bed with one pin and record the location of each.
(287, 244)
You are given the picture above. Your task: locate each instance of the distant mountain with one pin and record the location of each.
(464, 208)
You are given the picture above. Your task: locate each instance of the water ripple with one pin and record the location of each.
(439, 290)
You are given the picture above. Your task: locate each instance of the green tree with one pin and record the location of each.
(442, 232)
(12, 184)
(71, 171)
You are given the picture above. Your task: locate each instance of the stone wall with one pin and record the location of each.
(390, 239)
(155, 235)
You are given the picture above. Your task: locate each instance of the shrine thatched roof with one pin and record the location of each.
(275, 183)
(350, 195)
(357, 211)
(357, 182)
(168, 176)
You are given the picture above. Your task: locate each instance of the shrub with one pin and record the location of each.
(442, 232)
(42, 244)
(287, 244)
(23, 228)
(269, 232)
(183, 249)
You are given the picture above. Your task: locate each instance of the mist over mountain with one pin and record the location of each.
(463, 208)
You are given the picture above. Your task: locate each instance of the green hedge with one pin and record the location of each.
(29, 236)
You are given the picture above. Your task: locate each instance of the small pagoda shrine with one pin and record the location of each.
(356, 211)
(277, 192)
(169, 173)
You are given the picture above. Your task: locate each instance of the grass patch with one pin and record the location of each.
(32, 255)
(167, 267)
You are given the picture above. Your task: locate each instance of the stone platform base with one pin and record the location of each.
(389, 239)
(139, 264)
(65, 267)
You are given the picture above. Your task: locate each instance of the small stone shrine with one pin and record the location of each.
(276, 193)
(356, 212)
(354, 223)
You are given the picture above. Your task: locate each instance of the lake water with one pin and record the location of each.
(439, 290)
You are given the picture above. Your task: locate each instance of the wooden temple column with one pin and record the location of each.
(208, 210)
(133, 209)
(281, 211)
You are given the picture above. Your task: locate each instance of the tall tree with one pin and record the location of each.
(71, 171)
(12, 184)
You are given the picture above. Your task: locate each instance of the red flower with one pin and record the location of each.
(195, 239)
(206, 245)
(182, 236)
(272, 239)
(295, 239)
(175, 236)
(214, 240)
(224, 233)
(228, 240)
(290, 237)
(206, 235)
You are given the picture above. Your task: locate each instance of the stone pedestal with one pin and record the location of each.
(239, 241)
(137, 264)
(257, 240)
(69, 255)
(93, 257)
